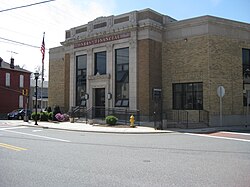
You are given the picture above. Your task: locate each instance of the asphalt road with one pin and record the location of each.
(45, 157)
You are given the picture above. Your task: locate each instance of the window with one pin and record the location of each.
(122, 77)
(245, 72)
(188, 96)
(7, 79)
(20, 101)
(246, 61)
(245, 96)
(81, 74)
(100, 63)
(21, 79)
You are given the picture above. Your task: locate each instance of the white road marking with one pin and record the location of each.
(46, 137)
(37, 130)
(7, 128)
(219, 137)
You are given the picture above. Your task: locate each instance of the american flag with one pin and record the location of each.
(43, 49)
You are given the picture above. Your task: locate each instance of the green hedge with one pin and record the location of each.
(50, 115)
(44, 116)
(35, 116)
(111, 120)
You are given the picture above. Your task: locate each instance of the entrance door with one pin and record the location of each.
(100, 102)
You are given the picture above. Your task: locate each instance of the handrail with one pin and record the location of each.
(97, 112)
(178, 116)
(75, 110)
(187, 117)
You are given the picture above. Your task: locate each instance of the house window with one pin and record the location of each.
(188, 96)
(81, 74)
(21, 79)
(122, 77)
(7, 79)
(100, 63)
(20, 101)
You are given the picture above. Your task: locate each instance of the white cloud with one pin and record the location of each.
(28, 24)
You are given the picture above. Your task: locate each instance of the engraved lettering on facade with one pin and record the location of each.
(101, 40)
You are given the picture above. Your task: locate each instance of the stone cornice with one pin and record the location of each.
(99, 77)
(206, 20)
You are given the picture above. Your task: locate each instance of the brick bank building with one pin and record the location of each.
(146, 61)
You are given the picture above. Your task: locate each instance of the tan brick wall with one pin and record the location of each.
(213, 60)
(155, 73)
(184, 61)
(143, 76)
(56, 88)
(225, 65)
(67, 80)
(149, 73)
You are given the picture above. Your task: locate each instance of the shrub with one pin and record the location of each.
(34, 116)
(62, 117)
(50, 115)
(66, 117)
(44, 116)
(56, 110)
(49, 109)
(59, 117)
(111, 120)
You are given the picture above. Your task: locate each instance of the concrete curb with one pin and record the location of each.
(101, 131)
(79, 127)
(212, 129)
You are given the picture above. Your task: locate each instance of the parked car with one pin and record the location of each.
(19, 114)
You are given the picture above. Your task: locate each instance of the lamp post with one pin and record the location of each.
(86, 97)
(36, 78)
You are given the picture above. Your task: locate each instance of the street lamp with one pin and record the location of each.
(36, 78)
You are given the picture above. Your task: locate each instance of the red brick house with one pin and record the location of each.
(13, 80)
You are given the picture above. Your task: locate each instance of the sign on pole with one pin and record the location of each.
(221, 93)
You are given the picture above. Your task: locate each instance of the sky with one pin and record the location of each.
(27, 25)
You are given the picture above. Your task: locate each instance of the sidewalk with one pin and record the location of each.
(83, 127)
(208, 130)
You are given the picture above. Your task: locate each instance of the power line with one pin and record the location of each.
(26, 6)
(21, 33)
(55, 22)
(19, 43)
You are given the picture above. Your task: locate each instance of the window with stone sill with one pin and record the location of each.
(81, 75)
(122, 77)
(100, 63)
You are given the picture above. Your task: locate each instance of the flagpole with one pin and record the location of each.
(42, 87)
(43, 51)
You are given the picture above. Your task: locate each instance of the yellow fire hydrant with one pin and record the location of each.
(132, 121)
